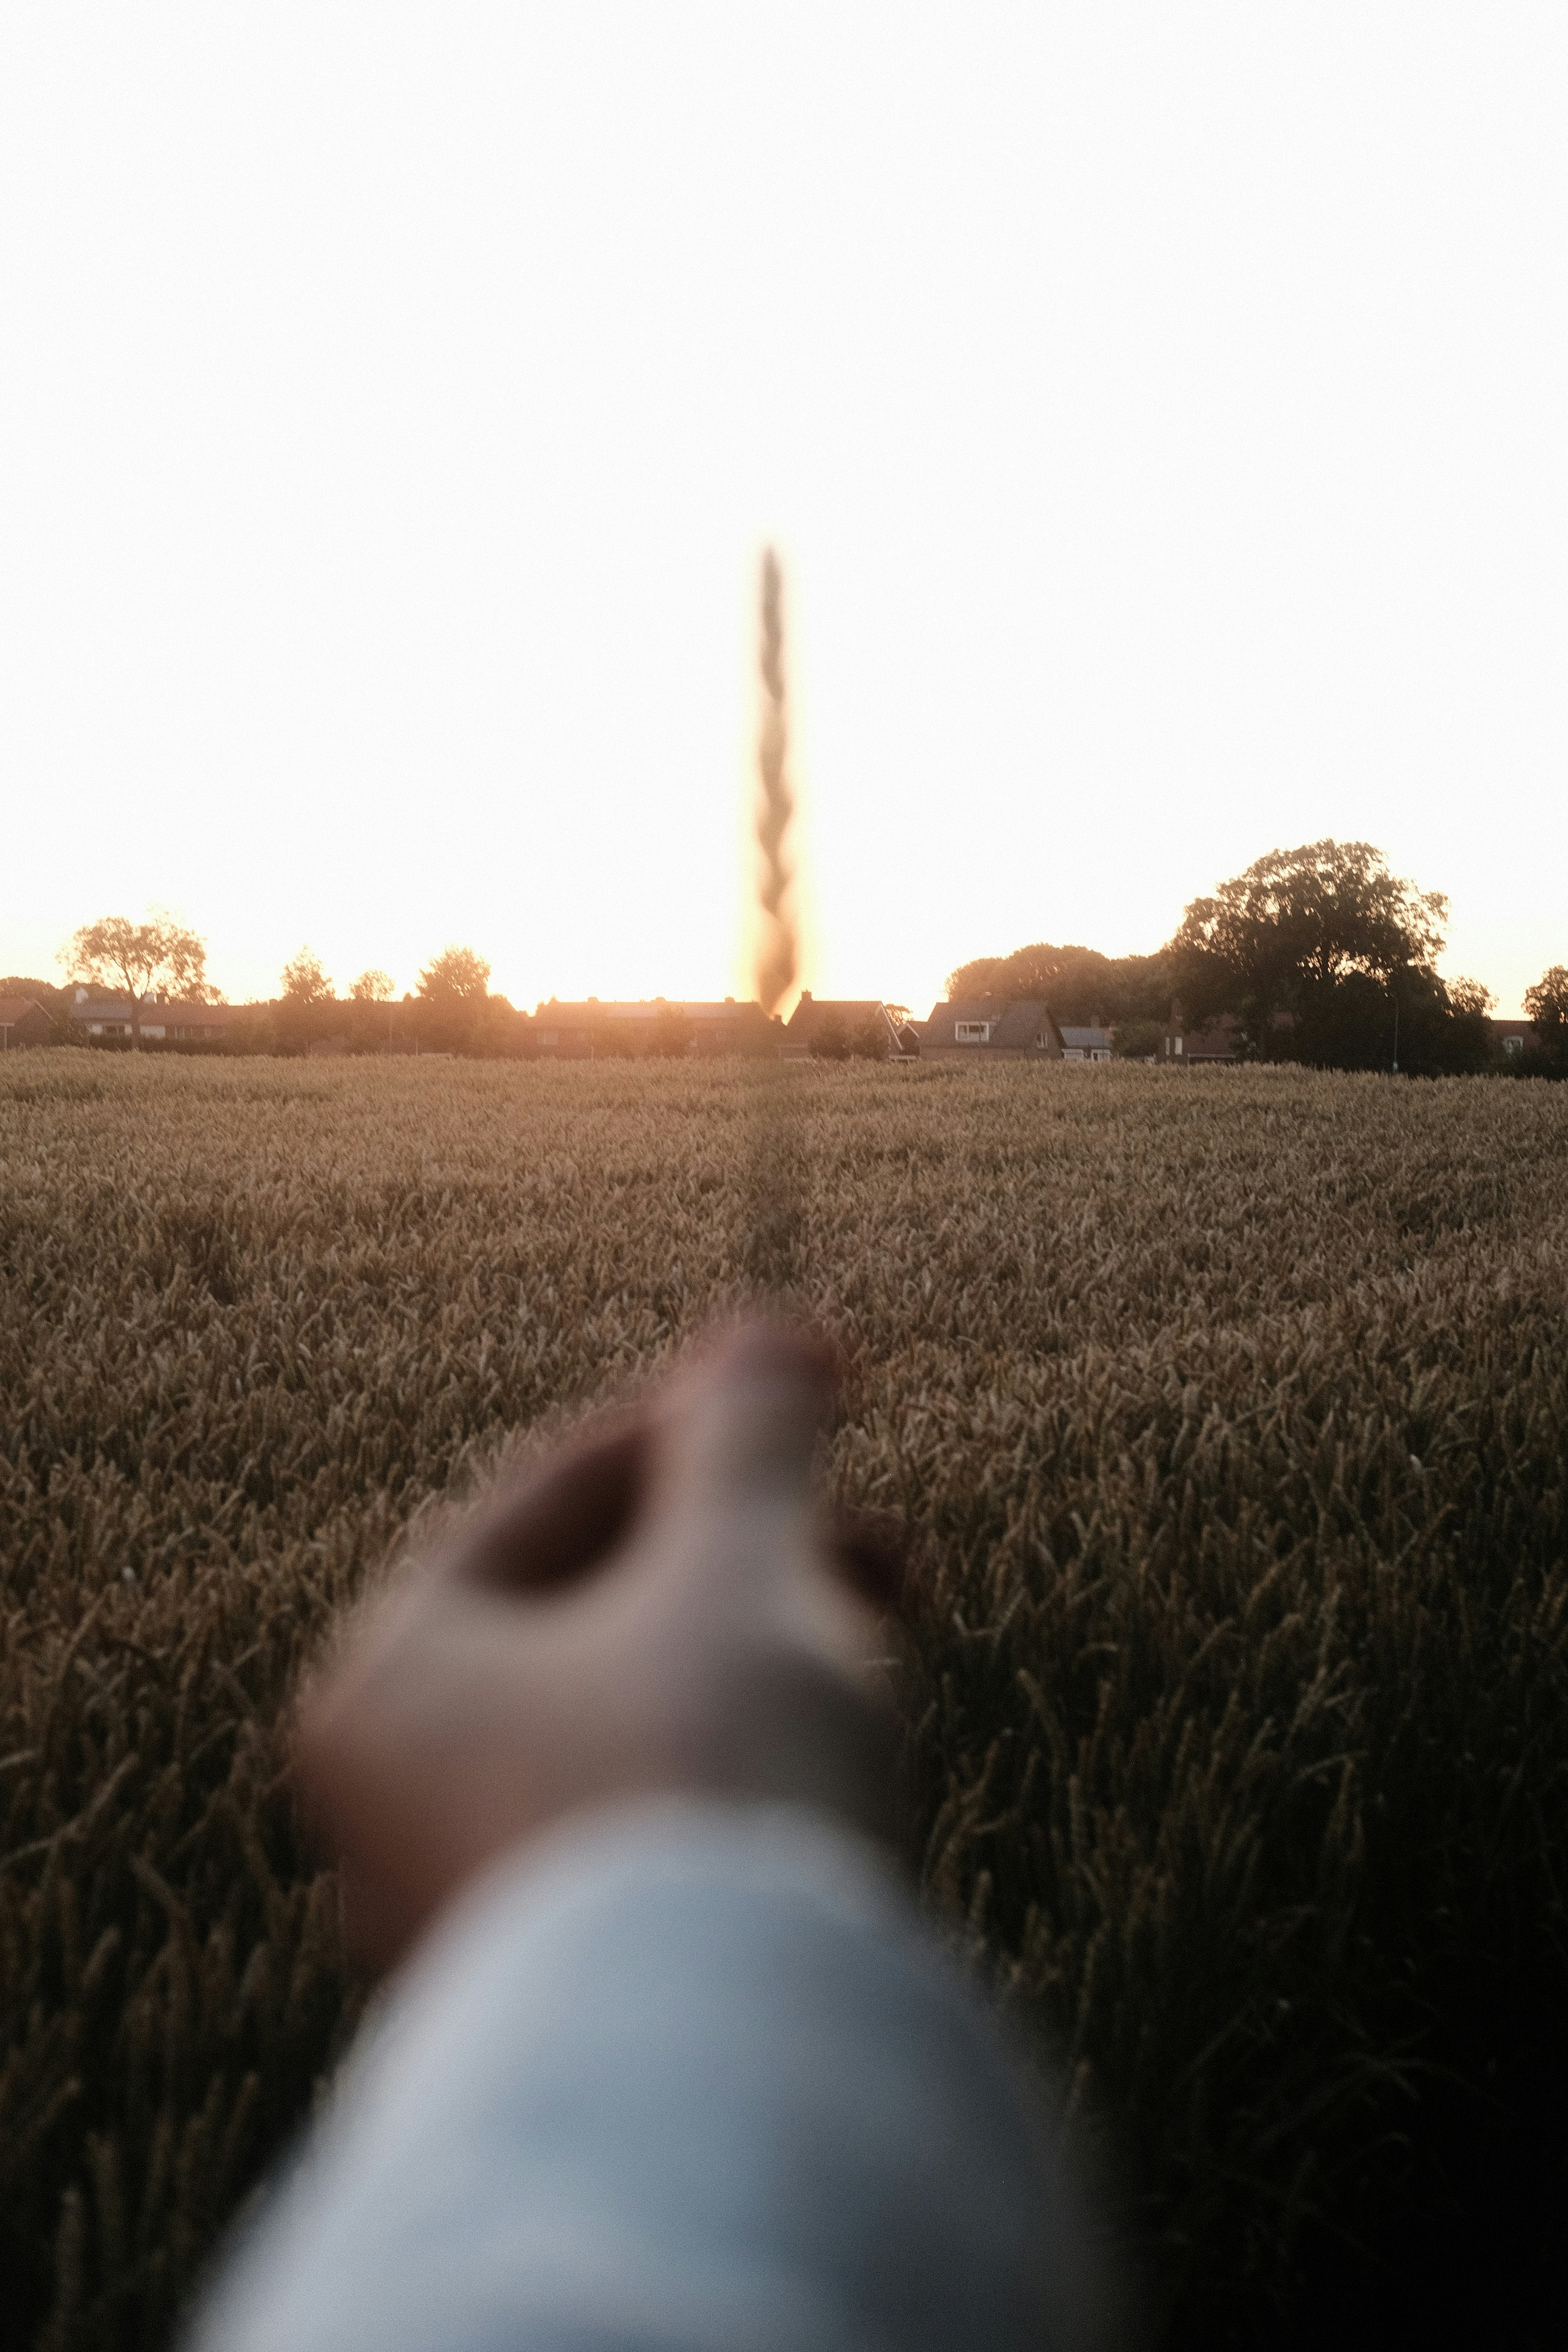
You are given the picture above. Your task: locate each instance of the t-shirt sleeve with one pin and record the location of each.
(693, 2075)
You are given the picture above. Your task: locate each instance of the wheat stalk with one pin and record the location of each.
(778, 947)
(774, 1230)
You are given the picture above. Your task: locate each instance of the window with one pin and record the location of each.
(1100, 1054)
(1072, 1053)
(1513, 1044)
(972, 1032)
(1178, 1045)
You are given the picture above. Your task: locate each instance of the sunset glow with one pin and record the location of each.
(1158, 413)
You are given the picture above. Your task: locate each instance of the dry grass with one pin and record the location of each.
(1229, 1410)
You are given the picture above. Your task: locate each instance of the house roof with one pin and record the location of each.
(848, 1011)
(1218, 1040)
(117, 1008)
(649, 1009)
(1016, 1022)
(17, 1008)
(1088, 1041)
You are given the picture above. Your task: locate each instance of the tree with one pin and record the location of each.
(304, 981)
(1079, 983)
(1546, 1005)
(830, 1043)
(672, 1033)
(1547, 1002)
(115, 952)
(1141, 1039)
(372, 987)
(1297, 925)
(454, 1003)
(457, 976)
(869, 1042)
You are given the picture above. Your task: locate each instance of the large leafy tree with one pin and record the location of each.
(305, 981)
(457, 976)
(672, 1033)
(1299, 924)
(1079, 983)
(1547, 1005)
(459, 1014)
(138, 959)
(1547, 1002)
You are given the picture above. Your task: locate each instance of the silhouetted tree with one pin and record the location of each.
(457, 976)
(454, 989)
(1547, 1005)
(1362, 1022)
(305, 982)
(869, 1041)
(829, 1042)
(116, 953)
(1079, 983)
(374, 987)
(1547, 1002)
(1139, 1039)
(1282, 937)
(672, 1033)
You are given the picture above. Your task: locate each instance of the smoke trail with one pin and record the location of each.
(778, 947)
(773, 1240)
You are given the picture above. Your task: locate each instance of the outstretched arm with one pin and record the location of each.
(669, 2060)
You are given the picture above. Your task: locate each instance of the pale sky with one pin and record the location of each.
(1161, 410)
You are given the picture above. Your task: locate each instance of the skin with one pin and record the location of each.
(660, 1608)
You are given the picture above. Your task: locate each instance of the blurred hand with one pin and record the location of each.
(659, 1608)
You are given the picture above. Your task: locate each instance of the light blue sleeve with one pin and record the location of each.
(693, 2076)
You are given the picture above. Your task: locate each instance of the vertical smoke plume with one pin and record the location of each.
(773, 1239)
(778, 952)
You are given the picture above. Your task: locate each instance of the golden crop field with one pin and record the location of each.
(1225, 1410)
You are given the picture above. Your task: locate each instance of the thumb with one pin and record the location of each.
(738, 1435)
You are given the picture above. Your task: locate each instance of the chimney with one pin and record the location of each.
(806, 996)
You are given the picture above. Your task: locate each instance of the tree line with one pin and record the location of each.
(1319, 954)
(452, 1009)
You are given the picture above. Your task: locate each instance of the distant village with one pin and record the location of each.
(819, 1028)
(1318, 955)
(960, 1029)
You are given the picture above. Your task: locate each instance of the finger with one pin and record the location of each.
(741, 1430)
(567, 1517)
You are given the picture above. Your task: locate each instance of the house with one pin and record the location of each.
(675, 1025)
(1086, 1044)
(1511, 1038)
(24, 1021)
(992, 1029)
(1216, 1041)
(834, 1025)
(109, 1018)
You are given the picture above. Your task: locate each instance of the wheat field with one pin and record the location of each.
(1225, 1412)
